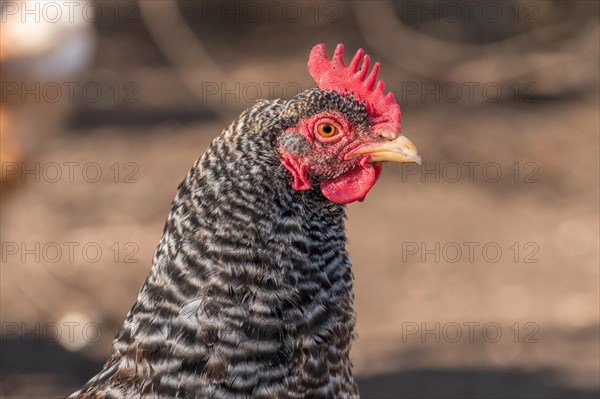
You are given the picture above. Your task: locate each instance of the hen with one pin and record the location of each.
(251, 289)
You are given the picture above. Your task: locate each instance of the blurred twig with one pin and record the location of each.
(191, 62)
(560, 56)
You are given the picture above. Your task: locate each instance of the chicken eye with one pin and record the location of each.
(326, 130)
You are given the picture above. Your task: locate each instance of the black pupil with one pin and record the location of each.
(327, 129)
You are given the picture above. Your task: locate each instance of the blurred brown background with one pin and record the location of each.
(477, 274)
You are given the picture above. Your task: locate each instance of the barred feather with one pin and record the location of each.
(251, 289)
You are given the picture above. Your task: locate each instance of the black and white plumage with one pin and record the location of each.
(251, 289)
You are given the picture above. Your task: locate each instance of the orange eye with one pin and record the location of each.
(326, 130)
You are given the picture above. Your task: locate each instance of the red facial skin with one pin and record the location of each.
(342, 181)
(326, 158)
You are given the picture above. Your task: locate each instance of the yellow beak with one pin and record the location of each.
(400, 149)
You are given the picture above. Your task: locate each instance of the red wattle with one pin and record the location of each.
(351, 186)
(298, 170)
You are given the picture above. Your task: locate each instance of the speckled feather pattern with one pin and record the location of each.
(250, 294)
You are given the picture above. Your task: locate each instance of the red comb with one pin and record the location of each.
(335, 75)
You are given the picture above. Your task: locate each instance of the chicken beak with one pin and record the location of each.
(400, 149)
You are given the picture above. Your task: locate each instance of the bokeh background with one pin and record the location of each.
(477, 274)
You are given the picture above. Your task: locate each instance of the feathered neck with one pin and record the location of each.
(250, 290)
